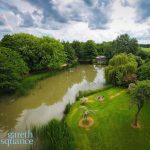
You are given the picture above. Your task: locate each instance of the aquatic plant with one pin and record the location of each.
(55, 135)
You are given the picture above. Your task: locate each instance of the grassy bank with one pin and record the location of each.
(112, 123)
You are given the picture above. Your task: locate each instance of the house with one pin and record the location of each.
(101, 59)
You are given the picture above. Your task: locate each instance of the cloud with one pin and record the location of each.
(143, 10)
(94, 12)
(2, 20)
(49, 11)
(99, 20)
(27, 20)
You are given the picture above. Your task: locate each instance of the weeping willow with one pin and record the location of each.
(119, 68)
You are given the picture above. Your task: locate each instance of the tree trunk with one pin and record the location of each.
(136, 116)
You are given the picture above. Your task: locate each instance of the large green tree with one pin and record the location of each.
(140, 93)
(78, 47)
(124, 43)
(38, 53)
(108, 50)
(71, 54)
(121, 70)
(26, 45)
(12, 70)
(54, 52)
(90, 51)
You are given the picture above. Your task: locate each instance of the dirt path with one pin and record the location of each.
(115, 95)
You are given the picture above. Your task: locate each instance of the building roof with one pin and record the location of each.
(100, 57)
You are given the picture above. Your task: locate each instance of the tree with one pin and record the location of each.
(121, 70)
(12, 70)
(78, 47)
(90, 51)
(26, 45)
(140, 93)
(55, 54)
(108, 50)
(143, 54)
(144, 71)
(86, 114)
(99, 48)
(38, 53)
(124, 43)
(70, 52)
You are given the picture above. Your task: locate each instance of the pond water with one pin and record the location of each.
(48, 99)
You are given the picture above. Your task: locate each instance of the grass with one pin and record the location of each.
(146, 49)
(112, 123)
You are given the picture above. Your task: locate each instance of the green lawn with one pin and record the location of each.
(112, 123)
(146, 49)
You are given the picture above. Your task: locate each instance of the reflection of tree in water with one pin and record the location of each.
(90, 73)
(76, 75)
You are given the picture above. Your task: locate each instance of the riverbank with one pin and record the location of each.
(30, 82)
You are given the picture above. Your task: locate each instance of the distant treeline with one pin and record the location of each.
(145, 45)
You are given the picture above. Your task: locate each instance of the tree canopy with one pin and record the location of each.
(12, 69)
(124, 43)
(71, 54)
(38, 53)
(90, 51)
(121, 69)
(144, 71)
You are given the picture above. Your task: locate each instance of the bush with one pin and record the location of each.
(144, 54)
(144, 72)
(12, 70)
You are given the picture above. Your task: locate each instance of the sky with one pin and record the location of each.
(98, 20)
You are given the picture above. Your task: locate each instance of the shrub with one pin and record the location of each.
(144, 72)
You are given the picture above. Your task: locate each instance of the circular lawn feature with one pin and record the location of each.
(89, 123)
